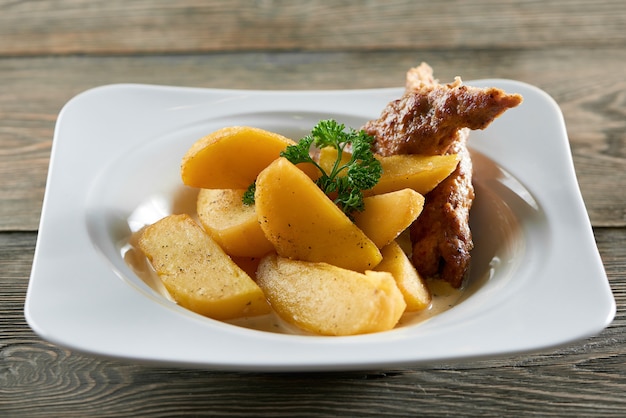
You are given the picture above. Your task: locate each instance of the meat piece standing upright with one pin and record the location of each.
(434, 119)
(441, 236)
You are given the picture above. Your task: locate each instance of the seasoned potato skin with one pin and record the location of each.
(231, 158)
(304, 224)
(196, 271)
(233, 225)
(387, 215)
(421, 173)
(416, 293)
(329, 300)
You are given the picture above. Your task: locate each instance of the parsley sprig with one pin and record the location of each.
(346, 180)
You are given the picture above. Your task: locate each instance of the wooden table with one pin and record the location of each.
(50, 51)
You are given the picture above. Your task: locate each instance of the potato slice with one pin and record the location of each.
(327, 157)
(304, 224)
(415, 291)
(233, 225)
(387, 215)
(231, 158)
(329, 300)
(421, 173)
(196, 271)
(418, 172)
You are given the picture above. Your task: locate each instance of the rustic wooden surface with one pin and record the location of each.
(50, 51)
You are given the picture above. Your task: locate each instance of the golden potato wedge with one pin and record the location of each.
(415, 291)
(327, 157)
(418, 172)
(304, 224)
(231, 158)
(196, 271)
(329, 300)
(233, 225)
(387, 215)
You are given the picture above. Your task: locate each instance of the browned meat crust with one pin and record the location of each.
(441, 236)
(434, 119)
(426, 118)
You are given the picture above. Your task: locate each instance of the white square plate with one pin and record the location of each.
(537, 278)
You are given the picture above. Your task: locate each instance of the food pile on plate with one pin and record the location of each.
(340, 233)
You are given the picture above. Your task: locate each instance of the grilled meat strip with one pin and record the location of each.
(435, 119)
(441, 235)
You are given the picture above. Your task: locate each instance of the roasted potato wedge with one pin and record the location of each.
(304, 224)
(329, 300)
(233, 225)
(387, 215)
(421, 173)
(415, 291)
(197, 273)
(231, 158)
(418, 172)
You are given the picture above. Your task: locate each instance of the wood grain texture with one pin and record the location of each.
(593, 100)
(584, 378)
(121, 27)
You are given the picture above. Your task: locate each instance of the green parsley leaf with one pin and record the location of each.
(345, 181)
(299, 153)
(248, 195)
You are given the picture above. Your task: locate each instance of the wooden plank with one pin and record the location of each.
(584, 378)
(122, 27)
(35, 89)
